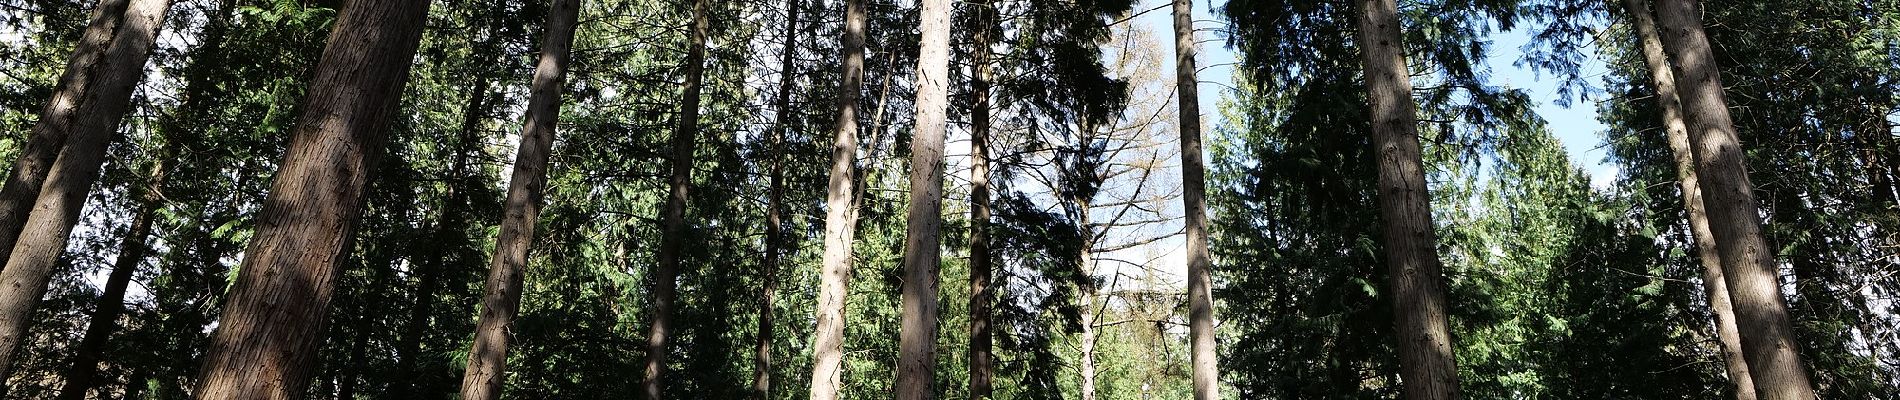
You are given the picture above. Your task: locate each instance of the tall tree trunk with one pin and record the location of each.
(1678, 133)
(666, 274)
(1774, 359)
(105, 316)
(266, 342)
(1194, 209)
(982, 365)
(91, 122)
(488, 355)
(917, 343)
(840, 214)
(448, 224)
(1085, 302)
(774, 224)
(91, 95)
(1426, 365)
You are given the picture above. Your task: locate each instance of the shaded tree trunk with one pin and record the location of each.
(1774, 359)
(1712, 281)
(91, 123)
(1426, 365)
(105, 316)
(917, 343)
(840, 214)
(982, 363)
(673, 222)
(774, 224)
(1194, 209)
(488, 355)
(448, 224)
(266, 342)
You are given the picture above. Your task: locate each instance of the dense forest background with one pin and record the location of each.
(1554, 287)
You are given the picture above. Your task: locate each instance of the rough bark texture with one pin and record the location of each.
(982, 363)
(105, 315)
(1194, 209)
(488, 355)
(448, 224)
(774, 224)
(917, 344)
(91, 123)
(1761, 313)
(841, 215)
(1678, 133)
(98, 76)
(266, 342)
(1426, 366)
(673, 222)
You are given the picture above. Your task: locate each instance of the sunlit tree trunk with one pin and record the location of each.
(775, 226)
(501, 300)
(673, 222)
(1768, 343)
(1426, 366)
(90, 122)
(1678, 133)
(840, 214)
(265, 347)
(917, 343)
(982, 365)
(1194, 208)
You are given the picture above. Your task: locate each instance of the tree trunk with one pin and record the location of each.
(917, 343)
(71, 175)
(1426, 365)
(1678, 132)
(840, 214)
(1085, 301)
(266, 342)
(982, 365)
(1774, 359)
(666, 274)
(1194, 208)
(105, 316)
(488, 355)
(774, 224)
(429, 272)
(97, 83)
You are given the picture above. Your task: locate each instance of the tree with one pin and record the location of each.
(1766, 332)
(666, 273)
(774, 223)
(1410, 244)
(1194, 204)
(266, 340)
(1706, 251)
(982, 360)
(488, 357)
(841, 215)
(87, 116)
(917, 348)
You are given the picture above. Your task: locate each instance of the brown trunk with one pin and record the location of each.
(1678, 132)
(265, 345)
(105, 63)
(673, 222)
(70, 177)
(1194, 208)
(1774, 360)
(488, 355)
(1426, 366)
(982, 365)
(774, 228)
(429, 271)
(917, 343)
(840, 214)
(105, 316)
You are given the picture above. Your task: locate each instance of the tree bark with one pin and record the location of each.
(1712, 278)
(840, 214)
(1768, 344)
(982, 363)
(666, 274)
(1426, 365)
(488, 355)
(266, 342)
(917, 344)
(1194, 209)
(774, 224)
(105, 316)
(91, 123)
(429, 272)
(99, 75)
